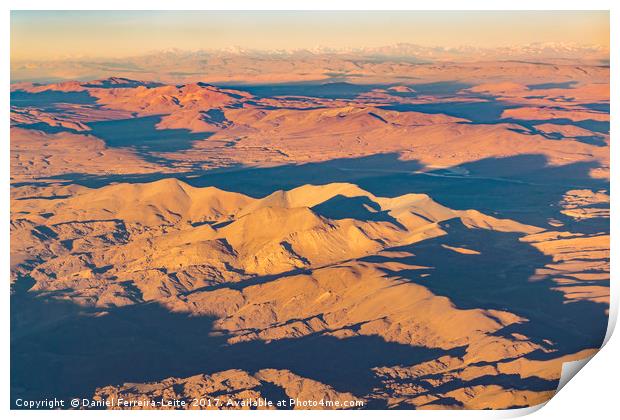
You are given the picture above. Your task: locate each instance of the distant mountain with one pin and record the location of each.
(236, 64)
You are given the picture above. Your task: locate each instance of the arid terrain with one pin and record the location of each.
(318, 227)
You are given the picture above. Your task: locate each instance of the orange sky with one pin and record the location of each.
(58, 34)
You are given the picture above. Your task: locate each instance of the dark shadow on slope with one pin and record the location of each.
(593, 140)
(47, 99)
(98, 181)
(490, 112)
(560, 85)
(142, 134)
(524, 188)
(360, 208)
(598, 106)
(259, 182)
(508, 382)
(344, 363)
(62, 350)
(216, 117)
(49, 129)
(477, 112)
(592, 125)
(532, 383)
(499, 278)
(274, 393)
(335, 90)
(251, 281)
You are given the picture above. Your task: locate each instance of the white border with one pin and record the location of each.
(311, 5)
(593, 394)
